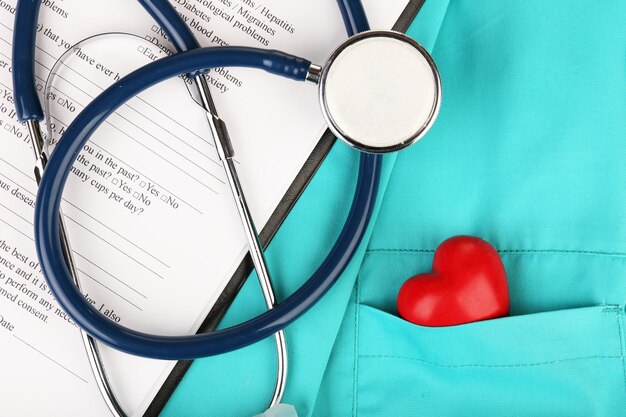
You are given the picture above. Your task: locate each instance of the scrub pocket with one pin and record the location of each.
(562, 363)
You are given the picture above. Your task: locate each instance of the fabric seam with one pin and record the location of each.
(620, 332)
(521, 365)
(443, 19)
(506, 251)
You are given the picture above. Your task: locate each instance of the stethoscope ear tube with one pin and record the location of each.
(354, 17)
(167, 17)
(27, 104)
(47, 224)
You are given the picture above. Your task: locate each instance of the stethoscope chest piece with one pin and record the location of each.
(380, 91)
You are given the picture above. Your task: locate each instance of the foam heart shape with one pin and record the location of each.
(468, 284)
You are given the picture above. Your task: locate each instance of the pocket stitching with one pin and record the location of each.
(620, 331)
(618, 310)
(521, 365)
(507, 251)
(608, 308)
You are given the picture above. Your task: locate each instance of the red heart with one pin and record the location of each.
(468, 284)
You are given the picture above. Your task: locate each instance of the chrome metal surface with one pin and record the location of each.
(91, 347)
(38, 145)
(226, 153)
(314, 74)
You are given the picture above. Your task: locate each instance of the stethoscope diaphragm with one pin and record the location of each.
(380, 91)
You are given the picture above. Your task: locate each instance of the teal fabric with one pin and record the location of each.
(527, 153)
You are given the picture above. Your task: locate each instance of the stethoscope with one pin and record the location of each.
(379, 92)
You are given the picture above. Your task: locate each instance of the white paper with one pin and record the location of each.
(154, 230)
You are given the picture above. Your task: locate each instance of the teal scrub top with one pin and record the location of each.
(529, 153)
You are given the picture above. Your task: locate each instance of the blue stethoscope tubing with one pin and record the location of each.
(190, 59)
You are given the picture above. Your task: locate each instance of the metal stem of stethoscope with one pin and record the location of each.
(226, 153)
(91, 347)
